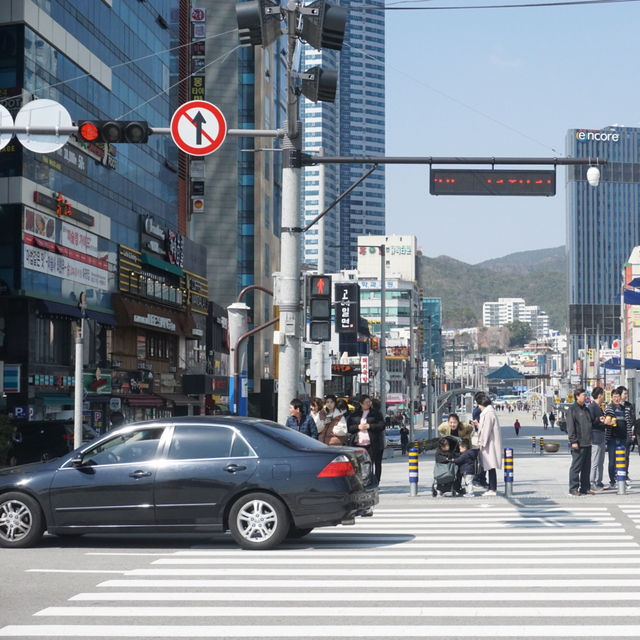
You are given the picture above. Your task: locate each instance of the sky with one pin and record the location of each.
(499, 82)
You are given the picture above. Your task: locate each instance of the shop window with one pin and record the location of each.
(52, 344)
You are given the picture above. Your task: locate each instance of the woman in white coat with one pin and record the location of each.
(489, 441)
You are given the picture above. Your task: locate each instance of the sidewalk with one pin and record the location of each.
(538, 478)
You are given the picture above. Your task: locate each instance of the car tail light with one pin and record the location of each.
(338, 468)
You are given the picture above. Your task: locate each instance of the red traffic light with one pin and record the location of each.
(88, 131)
(320, 286)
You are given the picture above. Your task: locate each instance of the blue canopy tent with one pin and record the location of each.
(505, 380)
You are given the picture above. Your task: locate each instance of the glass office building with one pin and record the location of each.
(603, 226)
(98, 220)
(353, 126)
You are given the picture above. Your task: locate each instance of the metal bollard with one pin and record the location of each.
(533, 444)
(541, 445)
(413, 472)
(508, 472)
(621, 470)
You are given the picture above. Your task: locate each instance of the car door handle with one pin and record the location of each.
(232, 468)
(140, 474)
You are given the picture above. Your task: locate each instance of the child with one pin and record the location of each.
(444, 453)
(466, 462)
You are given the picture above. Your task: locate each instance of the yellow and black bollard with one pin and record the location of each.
(508, 472)
(413, 472)
(541, 445)
(533, 444)
(621, 470)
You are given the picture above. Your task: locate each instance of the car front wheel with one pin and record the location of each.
(258, 521)
(21, 520)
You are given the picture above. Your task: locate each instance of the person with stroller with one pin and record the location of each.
(453, 427)
(489, 441)
(445, 471)
(467, 464)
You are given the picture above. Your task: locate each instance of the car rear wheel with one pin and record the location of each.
(21, 520)
(258, 521)
(298, 532)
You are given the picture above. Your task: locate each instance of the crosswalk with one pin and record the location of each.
(426, 571)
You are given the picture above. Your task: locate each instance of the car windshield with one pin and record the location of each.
(290, 437)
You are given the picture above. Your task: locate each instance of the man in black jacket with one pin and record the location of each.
(579, 434)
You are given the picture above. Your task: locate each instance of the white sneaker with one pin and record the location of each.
(489, 492)
(469, 494)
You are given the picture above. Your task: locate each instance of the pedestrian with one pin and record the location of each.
(545, 421)
(516, 426)
(489, 441)
(616, 416)
(630, 413)
(317, 414)
(404, 439)
(579, 435)
(480, 478)
(598, 445)
(453, 427)
(552, 418)
(298, 420)
(367, 428)
(334, 428)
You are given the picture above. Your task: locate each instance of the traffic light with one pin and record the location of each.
(132, 131)
(319, 308)
(319, 84)
(323, 26)
(258, 22)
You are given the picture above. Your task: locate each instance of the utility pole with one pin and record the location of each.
(321, 268)
(383, 329)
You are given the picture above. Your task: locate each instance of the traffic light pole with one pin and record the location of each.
(290, 259)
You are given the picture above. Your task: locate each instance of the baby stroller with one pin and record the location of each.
(445, 474)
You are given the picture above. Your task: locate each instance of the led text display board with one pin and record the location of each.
(492, 182)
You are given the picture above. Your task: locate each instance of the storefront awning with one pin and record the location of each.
(180, 400)
(127, 308)
(161, 264)
(53, 399)
(48, 307)
(135, 400)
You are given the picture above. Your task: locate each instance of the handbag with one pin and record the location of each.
(363, 439)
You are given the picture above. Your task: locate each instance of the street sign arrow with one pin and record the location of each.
(198, 120)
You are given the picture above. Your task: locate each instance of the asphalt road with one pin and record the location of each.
(538, 564)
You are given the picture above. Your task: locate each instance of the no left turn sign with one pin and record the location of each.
(198, 127)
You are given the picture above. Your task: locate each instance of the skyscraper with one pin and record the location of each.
(603, 225)
(353, 126)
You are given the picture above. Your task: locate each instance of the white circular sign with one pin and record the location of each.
(5, 121)
(198, 127)
(43, 113)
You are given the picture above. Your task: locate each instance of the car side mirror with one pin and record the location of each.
(76, 461)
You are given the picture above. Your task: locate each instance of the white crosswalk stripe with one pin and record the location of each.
(425, 572)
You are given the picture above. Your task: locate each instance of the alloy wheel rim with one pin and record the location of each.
(257, 520)
(15, 520)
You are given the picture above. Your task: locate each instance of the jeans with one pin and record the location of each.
(612, 444)
(579, 471)
(597, 462)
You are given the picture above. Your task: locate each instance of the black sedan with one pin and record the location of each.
(257, 479)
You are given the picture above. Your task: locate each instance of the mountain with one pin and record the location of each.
(537, 276)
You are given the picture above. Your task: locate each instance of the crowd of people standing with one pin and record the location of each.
(595, 428)
(331, 421)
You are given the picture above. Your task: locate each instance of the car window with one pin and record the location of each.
(197, 442)
(289, 437)
(134, 446)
